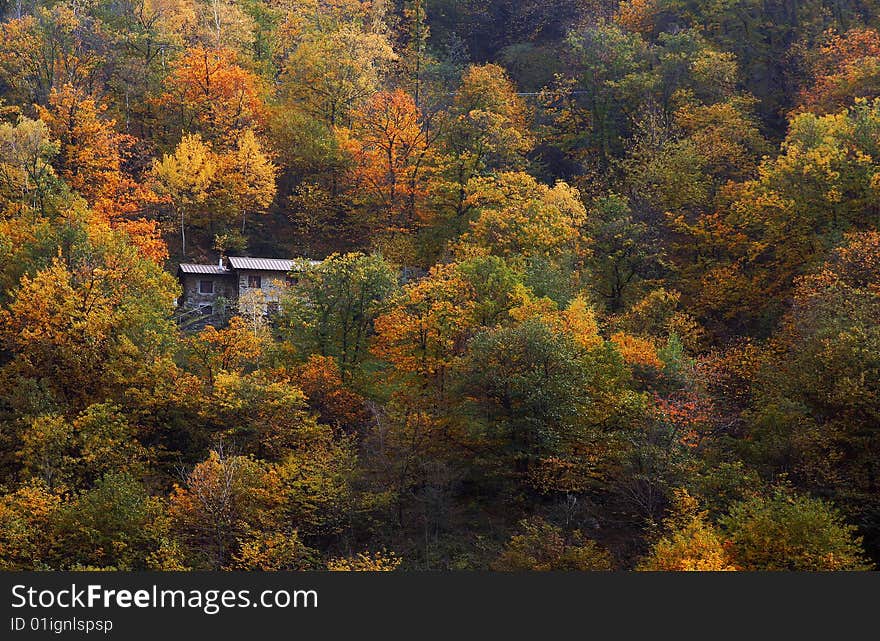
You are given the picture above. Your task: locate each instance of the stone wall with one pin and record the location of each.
(272, 283)
(222, 301)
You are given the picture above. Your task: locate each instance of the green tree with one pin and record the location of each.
(623, 253)
(111, 526)
(789, 532)
(331, 309)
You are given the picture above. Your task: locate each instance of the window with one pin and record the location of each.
(206, 286)
(255, 281)
(290, 281)
(206, 310)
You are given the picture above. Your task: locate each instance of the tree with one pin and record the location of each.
(144, 36)
(789, 532)
(187, 177)
(621, 254)
(112, 526)
(331, 309)
(230, 349)
(331, 72)
(604, 57)
(415, 33)
(92, 154)
(25, 517)
(213, 94)
(780, 225)
(318, 478)
(46, 451)
(274, 552)
(225, 24)
(260, 416)
(329, 399)
(543, 547)
(222, 500)
(813, 394)
(26, 152)
(107, 444)
(90, 151)
(519, 218)
(51, 47)
(844, 68)
(312, 171)
(677, 164)
(389, 144)
(726, 135)
(638, 16)
(424, 330)
(68, 455)
(531, 388)
(366, 562)
(691, 543)
(214, 189)
(89, 320)
(485, 129)
(248, 176)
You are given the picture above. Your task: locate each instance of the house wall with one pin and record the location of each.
(222, 300)
(273, 285)
(233, 289)
(191, 299)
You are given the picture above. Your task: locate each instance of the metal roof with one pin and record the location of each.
(262, 264)
(266, 264)
(243, 262)
(192, 268)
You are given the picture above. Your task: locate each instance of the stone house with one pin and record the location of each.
(235, 285)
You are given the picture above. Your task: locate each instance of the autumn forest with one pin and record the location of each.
(580, 285)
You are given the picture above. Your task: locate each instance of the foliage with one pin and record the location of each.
(365, 562)
(331, 309)
(691, 543)
(542, 547)
(608, 270)
(791, 533)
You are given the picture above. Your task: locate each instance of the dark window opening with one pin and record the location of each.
(206, 286)
(254, 281)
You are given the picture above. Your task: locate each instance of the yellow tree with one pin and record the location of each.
(90, 150)
(224, 23)
(423, 334)
(366, 562)
(86, 324)
(223, 499)
(543, 547)
(186, 177)
(248, 176)
(25, 516)
(26, 152)
(331, 72)
(485, 129)
(520, 217)
(691, 542)
(842, 68)
(229, 349)
(47, 48)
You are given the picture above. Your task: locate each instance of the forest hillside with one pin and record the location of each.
(589, 284)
